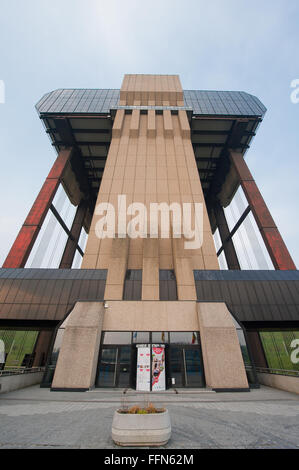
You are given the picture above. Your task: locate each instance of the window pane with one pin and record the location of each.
(117, 337)
(141, 337)
(18, 347)
(193, 367)
(184, 337)
(160, 337)
(107, 368)
(278, 349)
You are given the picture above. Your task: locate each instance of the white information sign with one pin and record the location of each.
(158, 367)
(143, 377)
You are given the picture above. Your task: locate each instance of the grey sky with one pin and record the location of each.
(225, 45)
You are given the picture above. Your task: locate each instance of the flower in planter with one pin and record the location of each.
(150, 409)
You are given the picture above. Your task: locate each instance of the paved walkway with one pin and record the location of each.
(38, 418)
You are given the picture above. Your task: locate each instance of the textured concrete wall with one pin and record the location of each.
(151, 160)
(150, 316)
(78, 357)
(289, 384)
(223, 362)
(15, 382)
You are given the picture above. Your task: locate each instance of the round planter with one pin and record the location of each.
(152, 429)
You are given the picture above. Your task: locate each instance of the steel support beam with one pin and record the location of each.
(24, 242)
(274, 243)
(226, 238)
(233, 231)
(63, 225)
(72, 242)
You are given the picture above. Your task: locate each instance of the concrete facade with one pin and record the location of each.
(224, 367)
(150, 160)
(223, 363)
(77, 362)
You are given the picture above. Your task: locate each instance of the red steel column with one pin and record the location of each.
(24, 242)
(275, 245)
(71, 244)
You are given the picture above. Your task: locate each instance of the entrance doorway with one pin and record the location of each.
(117, 364)
(186, 367)
(114, 367)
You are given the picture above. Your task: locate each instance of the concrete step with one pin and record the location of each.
(130, 392)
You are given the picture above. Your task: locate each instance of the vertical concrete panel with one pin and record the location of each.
(118, 123)
(78, 357)
(151, 123)
(152, 160)
(150, 269)
(223, 362)
(117, 267)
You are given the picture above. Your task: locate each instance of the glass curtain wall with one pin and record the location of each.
(281, 349)
(17, 347)
(118, 358)
(50, 368)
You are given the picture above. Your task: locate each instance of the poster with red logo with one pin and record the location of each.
(143, 379)
(158, 367)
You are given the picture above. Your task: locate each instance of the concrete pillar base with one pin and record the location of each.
(78, 357)
(223, 362)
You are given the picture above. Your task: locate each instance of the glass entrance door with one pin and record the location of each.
(182, 361)
(107, 368)
(123, 366)
(176, 366)
(186, 367)
(193, 367)
(114, 367)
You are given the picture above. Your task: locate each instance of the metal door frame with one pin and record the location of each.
(117, 365)
(182, 348)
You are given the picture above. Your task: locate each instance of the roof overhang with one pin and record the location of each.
(219, 121)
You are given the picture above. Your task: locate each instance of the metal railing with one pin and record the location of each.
(269, 370)
(20, 370)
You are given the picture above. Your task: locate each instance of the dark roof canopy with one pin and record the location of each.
(202, 102)
(83, 118)
(254, 297)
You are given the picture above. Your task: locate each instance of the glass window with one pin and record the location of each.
(117, 337)
(141, 337)
(243, 346)
(146, 337)
(133, 285)
(134, 275)
(166, 275)
(57, 345)
(18, 347)
(184, 337)
(50, 369)
(193, 367)
(279, 347)
(167, 284)
(160, 337)
(107, 368)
